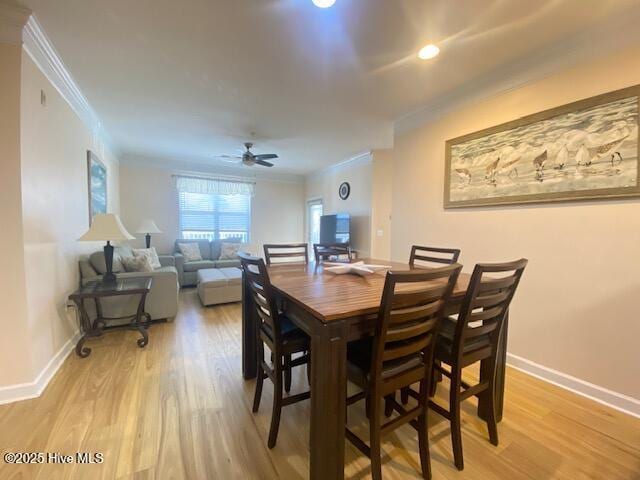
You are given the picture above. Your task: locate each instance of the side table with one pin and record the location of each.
(97, 290)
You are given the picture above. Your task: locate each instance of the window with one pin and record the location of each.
(214, 216)
(314, 212)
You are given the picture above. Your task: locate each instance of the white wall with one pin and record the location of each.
(15, 363)
(381, 203)
(54, 144)
(577, 308)
(277, 209)
(325, 184)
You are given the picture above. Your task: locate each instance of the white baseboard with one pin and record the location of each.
(618, 401)
(24, 391)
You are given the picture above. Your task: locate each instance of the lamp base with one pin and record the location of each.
(147, 238)
(109, 277)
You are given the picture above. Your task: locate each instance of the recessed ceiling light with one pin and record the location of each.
(428, 51)
(323, 3)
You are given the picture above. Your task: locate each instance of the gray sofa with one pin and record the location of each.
(162, 300)
(210, 251)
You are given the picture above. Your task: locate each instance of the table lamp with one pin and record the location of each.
(106, 227)
(148, 227)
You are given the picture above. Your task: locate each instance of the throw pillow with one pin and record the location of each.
(137, 264)
(150, 254)
(191, 252)
(229, 251)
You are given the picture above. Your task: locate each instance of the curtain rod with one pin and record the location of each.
(219, 177)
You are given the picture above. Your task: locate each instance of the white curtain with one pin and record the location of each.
(213, 186)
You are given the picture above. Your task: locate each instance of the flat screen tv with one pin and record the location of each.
(335, 228)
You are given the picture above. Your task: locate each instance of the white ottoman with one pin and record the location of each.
(219, 285)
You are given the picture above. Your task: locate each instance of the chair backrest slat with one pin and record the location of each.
(439, 255)
(486, 303)
(293, 252)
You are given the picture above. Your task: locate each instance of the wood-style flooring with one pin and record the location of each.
(180, 409)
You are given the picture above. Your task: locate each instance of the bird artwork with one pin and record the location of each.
(583, 157)
(464, 175)
(562, 158)
(607, 149)
(538, 164)
(509, 168)
(490, 172)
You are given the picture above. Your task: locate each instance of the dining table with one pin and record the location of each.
(335, 310)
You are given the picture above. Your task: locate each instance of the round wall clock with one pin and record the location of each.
(344, 190)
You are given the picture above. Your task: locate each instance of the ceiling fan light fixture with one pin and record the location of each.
(428, 51)
(323, 3)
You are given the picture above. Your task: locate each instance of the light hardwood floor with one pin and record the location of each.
(180, 409)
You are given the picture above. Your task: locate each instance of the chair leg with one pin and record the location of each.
(388, 406)
(277, 406)
(287, 373)
(404, 395)
(436, 377)
(308, 368)
(258, 394)
(374, 434)
(423, 443)
(492, 425)
(454, 409)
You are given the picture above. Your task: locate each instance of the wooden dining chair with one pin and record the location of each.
(287, 252)
(432, 255)
(400, 354)
(428, 256)
(471, 338)
(281, 336)
(322, 251)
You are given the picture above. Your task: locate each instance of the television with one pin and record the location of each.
(335, 228)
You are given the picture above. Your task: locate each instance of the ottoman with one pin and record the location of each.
(219, 285)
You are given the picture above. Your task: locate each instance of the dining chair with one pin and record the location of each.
(281, 336)
(447, 256)
(428, 256)
(400, 354)
(471, 338)
(322, 251)
(289, 252)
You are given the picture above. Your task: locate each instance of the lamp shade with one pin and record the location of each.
(106, 227)
(148, 226)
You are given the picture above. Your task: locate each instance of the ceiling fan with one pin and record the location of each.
(249, 158)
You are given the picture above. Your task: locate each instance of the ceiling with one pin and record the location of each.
(189, 80)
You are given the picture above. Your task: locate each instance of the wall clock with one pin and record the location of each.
(344, 190)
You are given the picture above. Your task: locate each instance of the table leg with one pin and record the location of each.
(486, 370)
(328, 401)
(85, 330)
(249, 333)
(142, 342)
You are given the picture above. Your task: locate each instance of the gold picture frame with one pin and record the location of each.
(584, 150)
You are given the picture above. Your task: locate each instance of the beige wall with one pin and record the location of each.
(577, 308)
(14, 358)
(277, 209)
(381, 203)
(54, 208)
(325, 185)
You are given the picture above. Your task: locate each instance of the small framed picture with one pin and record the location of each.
(97, 180)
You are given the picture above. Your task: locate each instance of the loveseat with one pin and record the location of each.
(162, 300)
(210, 252)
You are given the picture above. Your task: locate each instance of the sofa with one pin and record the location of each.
(162, 299)
(210, 252)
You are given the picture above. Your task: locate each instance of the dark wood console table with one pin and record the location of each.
(97, 290)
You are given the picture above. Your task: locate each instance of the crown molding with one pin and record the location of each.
(541, 64)
(362, 158)
(12, 19)
(199, 167)
(44, 55)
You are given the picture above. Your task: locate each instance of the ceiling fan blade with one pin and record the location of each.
(263, 163)
(265, 156)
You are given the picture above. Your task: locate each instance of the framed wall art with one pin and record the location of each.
(97, 179)
(584, 150)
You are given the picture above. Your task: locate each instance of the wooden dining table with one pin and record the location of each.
(334, 310)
